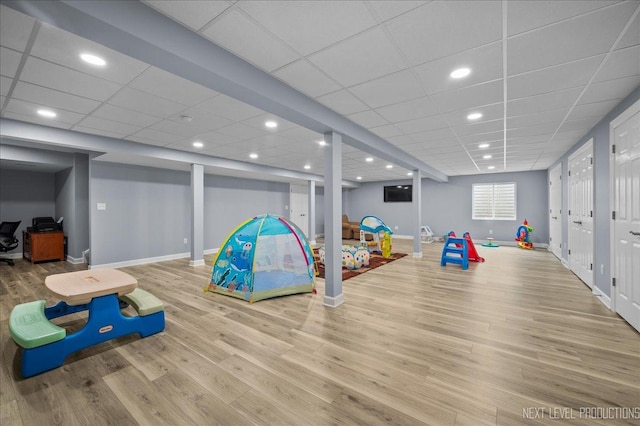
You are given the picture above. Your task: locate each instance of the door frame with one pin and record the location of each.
(624, 116)
(557, 166)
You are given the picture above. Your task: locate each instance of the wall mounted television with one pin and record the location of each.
(398, 193)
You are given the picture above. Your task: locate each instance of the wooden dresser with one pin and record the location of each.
(39, 246)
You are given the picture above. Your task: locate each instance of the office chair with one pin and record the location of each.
(8, 240)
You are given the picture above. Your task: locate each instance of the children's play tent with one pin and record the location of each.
(264, 257)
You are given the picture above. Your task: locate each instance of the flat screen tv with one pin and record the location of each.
(398, 193)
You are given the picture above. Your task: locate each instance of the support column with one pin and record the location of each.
(333, 296)
(417, 213)
(197, 215)
(312, 212)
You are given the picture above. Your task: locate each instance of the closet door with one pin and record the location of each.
(555, 211)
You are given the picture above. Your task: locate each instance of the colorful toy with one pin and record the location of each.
(353, 257)
(472, 252)
(381, 232)
(490, 243)
(523, 236)
(264, 257)
(458, 248)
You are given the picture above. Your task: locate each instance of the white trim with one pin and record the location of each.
(211, 251)
(199, 262)
(606, 300)
(142, 261)
(17, 255)
(333, 302)
(75, 260)
(417, 255)
(624, 116)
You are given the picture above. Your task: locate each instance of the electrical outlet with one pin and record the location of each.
(490, 231)
(186, 241)
(601, 269)
(101, 206)
(395, 227)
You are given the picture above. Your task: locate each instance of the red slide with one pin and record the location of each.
(473, 253)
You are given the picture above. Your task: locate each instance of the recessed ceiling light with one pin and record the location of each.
(253, 155)
(198, 144)
(93, 59)
(368, 159)
(186, 118)
(46, 113)
(474, 116)
(460, 73)
(491, 167)
(322, 142)
(271, 124)
(307, 166)
(486, 157)
(483, 145)
(358, 177)
(389, 166)
(410, 174)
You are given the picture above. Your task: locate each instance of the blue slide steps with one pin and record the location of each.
(458, 248)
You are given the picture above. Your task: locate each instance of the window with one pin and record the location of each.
(495, 201)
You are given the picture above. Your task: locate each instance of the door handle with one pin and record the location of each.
(554, 217)
(637, 234)
(579, 222)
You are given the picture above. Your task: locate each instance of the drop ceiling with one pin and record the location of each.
(542, 74)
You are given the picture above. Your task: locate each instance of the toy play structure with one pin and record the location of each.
(381, 235)
(353, 257)
(264, 257)
(523, 236)
(459, 251)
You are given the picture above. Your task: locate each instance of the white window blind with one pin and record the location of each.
(495, 201)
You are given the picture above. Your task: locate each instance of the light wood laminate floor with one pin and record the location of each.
(515, 340)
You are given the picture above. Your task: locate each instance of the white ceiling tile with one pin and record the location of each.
(610, 90)
(29, 109)
(522, 132)
(423, 124)
(444, 134)
(524, 15)
(148, 104)
(443, 28)
(368, 119)
(565, 76)
(300, 133)
(216, 139)
(491, 137)
(580, 125)
(233, 32)
(258, 123)
(2, 99)
(621, 63)
(306, 78)
(361, 58)
(53, 98)
(64, 48)
(36, 120)
(5, 85)
(547, 117)
(632, 36)
(155, 137)
(109, 126)
(402, 140)
(399, 87)
(241, 131)
(194, 14)
(387, 9)
(123, 115)
(309, 26)
(567, 41)
(485, 63)
(342, 102)
(169, 86)
(386, 131)
(489, 113)
(403, 111)
(481, 128)
(185, 130)
(100, 132)
(201, 119)
(10, 62)
(15, 28)
(56, 77)
(592, 110)
(230, 108)
(543, 102)
(469, 97)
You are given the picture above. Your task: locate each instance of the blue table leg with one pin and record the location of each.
(105, 322)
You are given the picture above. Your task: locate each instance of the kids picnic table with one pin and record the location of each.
(101, 292)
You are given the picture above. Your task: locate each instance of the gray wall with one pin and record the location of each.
(25, 195)
(319, 210)
(602, 190)
(72, 203)
(447, 206)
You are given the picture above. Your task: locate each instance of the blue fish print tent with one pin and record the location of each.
(264, 257)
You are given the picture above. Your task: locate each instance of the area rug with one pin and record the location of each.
(375, 261)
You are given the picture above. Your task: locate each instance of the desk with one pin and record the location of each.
(95, 291)
(39, 246)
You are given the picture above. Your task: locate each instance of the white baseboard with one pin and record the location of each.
(199, 262)
(606, 300)
(211, 251)
(417, 255)
(334, 302)
(144, 261)
(12, 255)
(75, 260)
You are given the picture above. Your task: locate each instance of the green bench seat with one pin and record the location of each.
(143, 302)
(30, 328)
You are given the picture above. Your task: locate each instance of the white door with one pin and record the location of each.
(555, 210)
(625, 136)
(299, 207)
(580, 244)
